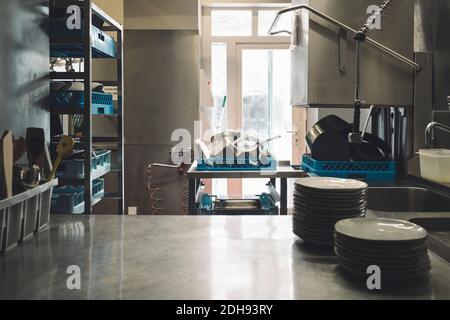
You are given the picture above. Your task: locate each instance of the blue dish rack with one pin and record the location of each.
(70, 199)
(74, 169)
(369, 171)
(65, 43)
(102, 103)
(231, 165)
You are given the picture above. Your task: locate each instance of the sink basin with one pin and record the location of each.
(407, 200)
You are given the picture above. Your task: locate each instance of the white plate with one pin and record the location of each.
(323, 183)
(381, 230)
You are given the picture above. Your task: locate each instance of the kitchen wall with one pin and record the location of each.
(161, 51)
(162, 61)
(432, 24)
(24, 52)
(115, 8)
(431, 40)
(161, 15)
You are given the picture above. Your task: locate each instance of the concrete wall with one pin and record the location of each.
(161, 15)
(115, 8)
(162, 94)
(24, 54)
(162, 55)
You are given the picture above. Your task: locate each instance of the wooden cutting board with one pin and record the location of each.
(7, 164)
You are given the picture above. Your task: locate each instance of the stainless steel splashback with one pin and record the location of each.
(432, 25)
(324, 61)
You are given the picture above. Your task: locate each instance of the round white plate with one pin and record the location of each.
(380, 230)
(323, 183)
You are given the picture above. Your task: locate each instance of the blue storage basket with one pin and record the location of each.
(229, 165)
(102, 103)
(369, 171)
(101, 164)
(65, 43)
(70, 199)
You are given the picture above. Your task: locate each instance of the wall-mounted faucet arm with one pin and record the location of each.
(429, 132)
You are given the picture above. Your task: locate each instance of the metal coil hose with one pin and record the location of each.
(155, 200)
(155, 193)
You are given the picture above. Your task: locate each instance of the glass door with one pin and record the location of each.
(263, 102)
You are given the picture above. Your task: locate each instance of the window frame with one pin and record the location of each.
(233, 43)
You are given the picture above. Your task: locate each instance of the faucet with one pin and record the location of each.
(429, 132)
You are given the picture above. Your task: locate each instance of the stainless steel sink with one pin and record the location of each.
(407, 200)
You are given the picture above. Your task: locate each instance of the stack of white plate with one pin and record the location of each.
(321, 202)
(398, 248)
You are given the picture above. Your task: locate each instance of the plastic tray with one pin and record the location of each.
(435, 165)
(369, 171)
(102, 103)
(219, 165)
(70, 199)
(24, 214)
(101, 165)
(65, 43)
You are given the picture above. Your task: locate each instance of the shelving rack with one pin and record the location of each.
(85, 76)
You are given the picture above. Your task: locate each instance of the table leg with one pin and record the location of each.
(192, 194)
(283, 204)
(273, 181)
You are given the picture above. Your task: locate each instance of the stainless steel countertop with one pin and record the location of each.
(149, 257)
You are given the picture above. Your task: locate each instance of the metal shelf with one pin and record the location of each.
(112, 196)
(80, 181)
(86, 76)
(67, 75)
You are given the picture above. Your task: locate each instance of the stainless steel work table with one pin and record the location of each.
(284, 171)
(190, 257)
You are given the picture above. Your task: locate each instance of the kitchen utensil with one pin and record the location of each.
(314, 217)
(331, 184)
(7, 155)
(383, 230)
(65, 146)
(35, 145)
(328, 139)
(33, 176)
(370, 149)
(19, 174)
(398, 247)
(20, 148)
(323, 196)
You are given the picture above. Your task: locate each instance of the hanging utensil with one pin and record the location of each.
(65, 147)
(35, 145)
(7, 165)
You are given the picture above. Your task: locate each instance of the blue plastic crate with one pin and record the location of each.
(101, 164)
(228, 165)
(102, 103)
(70, 199)
(65, 43)
(369, 171)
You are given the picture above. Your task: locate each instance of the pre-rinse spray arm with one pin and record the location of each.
(339, 24)
(360, 37)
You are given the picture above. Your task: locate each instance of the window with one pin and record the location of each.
(219, 83)
(231, 23)
(266, 88)
(252, 70)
